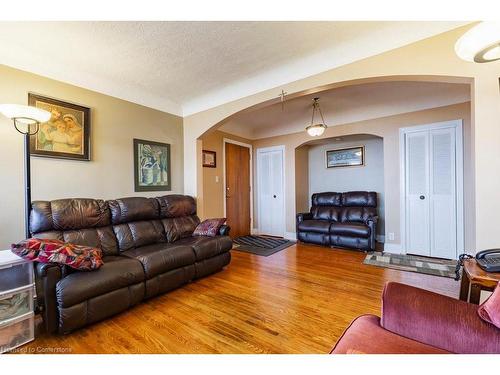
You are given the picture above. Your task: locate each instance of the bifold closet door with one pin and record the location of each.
(431, 192)
(270, 192)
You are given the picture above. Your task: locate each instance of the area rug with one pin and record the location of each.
(413, 263)
(261, 245)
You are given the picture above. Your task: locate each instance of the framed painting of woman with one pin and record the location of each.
(66, 135)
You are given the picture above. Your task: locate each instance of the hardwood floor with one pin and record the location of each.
(298, 300)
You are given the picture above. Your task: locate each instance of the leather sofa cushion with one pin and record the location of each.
(175, 205)
(177, 228)
(317, 226)
(350, 229)
(162, 257)
(139, 233)
(326, 199)
(331, 213)
(359, 199)
(357, 214)
(68, 214)
(207, 247)
(116, 272)
(126, 210)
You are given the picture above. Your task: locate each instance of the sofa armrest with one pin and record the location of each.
(437, 320)
(304, 216)
(224, 230)
(47, 275)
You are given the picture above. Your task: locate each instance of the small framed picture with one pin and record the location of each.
(346, 157)
(66, 135)
(151, 166)
(209, 159)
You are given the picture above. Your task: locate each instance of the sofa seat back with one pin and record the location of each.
(80, 221)
(136, 222)
(178, 216)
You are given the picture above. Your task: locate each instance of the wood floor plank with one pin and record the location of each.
(298, 300)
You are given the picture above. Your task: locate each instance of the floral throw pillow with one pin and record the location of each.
(209, 227)
(83, 258)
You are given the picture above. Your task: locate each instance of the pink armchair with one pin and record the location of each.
(418, 321)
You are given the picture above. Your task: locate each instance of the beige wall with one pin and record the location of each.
(110, 174)
(388, 129)
(432, 59)
(302, 196)
(212, 203)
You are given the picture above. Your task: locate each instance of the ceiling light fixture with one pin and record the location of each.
(480, 44)
(315, 130)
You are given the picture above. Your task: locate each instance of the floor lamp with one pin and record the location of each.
(27, 121)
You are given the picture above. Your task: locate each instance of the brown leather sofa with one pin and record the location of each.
(148, 249)
(340, 219)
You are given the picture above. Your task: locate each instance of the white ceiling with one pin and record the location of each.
(187, 67)
(346, 105)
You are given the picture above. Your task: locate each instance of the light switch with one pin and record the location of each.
(217, 179)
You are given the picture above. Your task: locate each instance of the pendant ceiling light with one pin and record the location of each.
(315, 130)
(480, 44)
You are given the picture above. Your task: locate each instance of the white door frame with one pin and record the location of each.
(259, 211)
(457, 124)
(249, 146)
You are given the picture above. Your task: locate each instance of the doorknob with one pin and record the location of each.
(274, 196)
(227, 193)
(422, 197)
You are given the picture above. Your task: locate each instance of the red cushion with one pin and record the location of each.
(489, 311)
(83, 258)
(209, 227)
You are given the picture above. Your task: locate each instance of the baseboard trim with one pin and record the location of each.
(394, 248)
(254, 231)
(292, 236)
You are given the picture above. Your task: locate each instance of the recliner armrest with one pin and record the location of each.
(224, 230)
(47, 275)
(373, 219)
(437, 320)
(304, 216)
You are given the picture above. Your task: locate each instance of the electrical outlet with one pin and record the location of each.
(391, 236)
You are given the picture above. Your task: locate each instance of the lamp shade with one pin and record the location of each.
(481, 43)
(316, 130)
(24, 114)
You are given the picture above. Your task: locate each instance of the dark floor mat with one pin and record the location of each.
(261, 245)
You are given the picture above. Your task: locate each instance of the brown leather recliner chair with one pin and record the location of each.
(148, 249)
(340, 219)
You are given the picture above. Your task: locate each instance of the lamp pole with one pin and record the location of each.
(27, 166)
(27, 185)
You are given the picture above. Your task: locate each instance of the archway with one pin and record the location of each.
(387, 131)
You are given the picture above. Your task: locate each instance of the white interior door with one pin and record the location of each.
(270, 191)
(431, 185)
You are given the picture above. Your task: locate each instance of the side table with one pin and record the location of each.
(475, 279)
